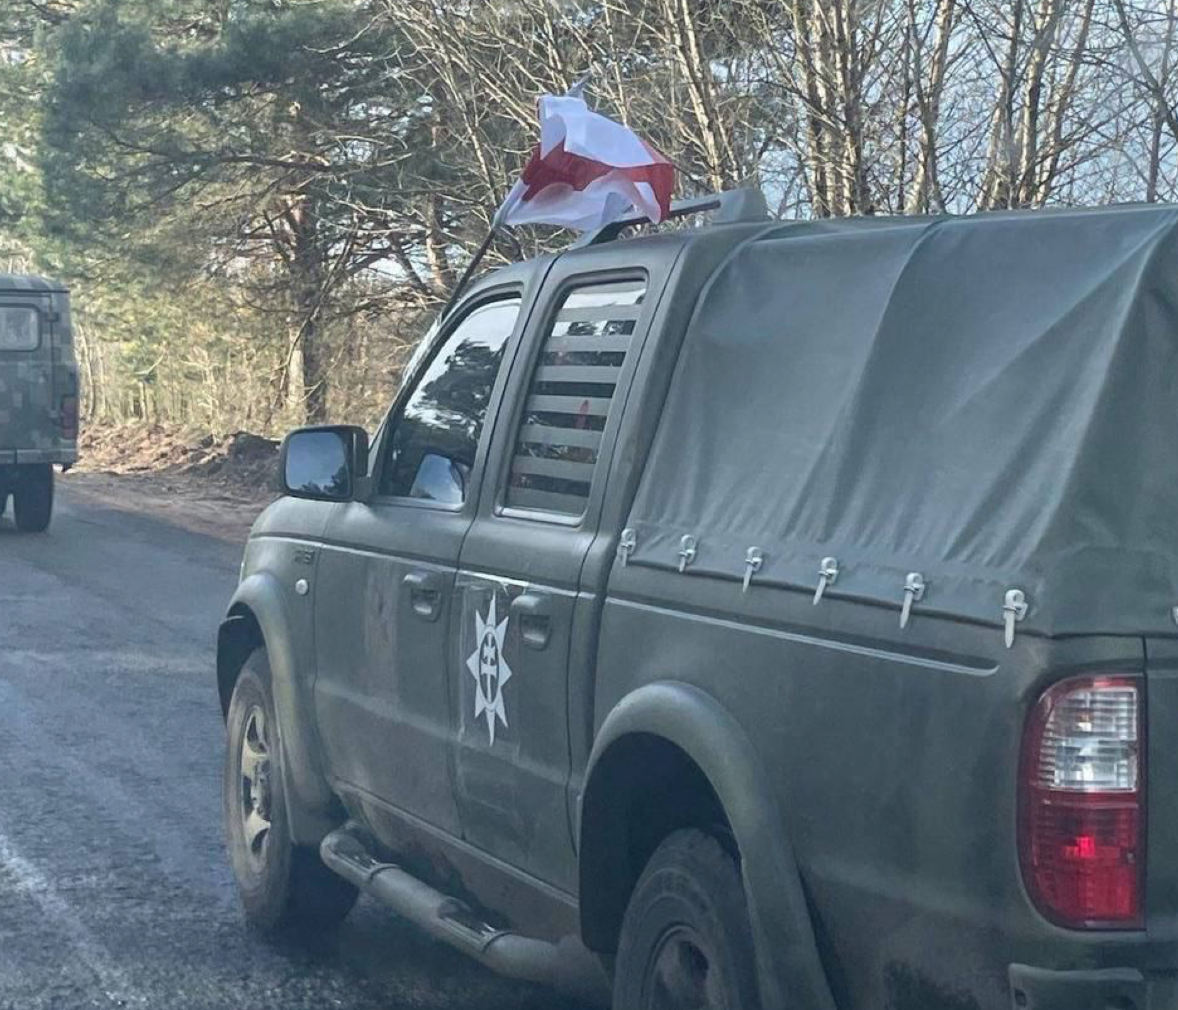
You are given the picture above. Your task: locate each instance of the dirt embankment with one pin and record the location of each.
(214, 484)
(239, 465)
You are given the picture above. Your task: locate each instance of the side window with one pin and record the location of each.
(433, 443)
(570, 397)
(20, 328)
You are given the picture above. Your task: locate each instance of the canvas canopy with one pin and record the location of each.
(990, 401)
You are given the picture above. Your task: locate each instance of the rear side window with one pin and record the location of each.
(571, 395)
(20, 328)
(434, 441)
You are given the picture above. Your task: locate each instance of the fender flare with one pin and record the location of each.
(311, 804)
(789, 965)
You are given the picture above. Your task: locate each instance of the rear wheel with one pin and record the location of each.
(33, 498)
(686, 942)
(283, 886)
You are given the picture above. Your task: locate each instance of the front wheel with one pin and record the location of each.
(283, 886)
(686, 943)
(33, 498)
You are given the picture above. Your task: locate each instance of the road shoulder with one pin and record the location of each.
(177, 501)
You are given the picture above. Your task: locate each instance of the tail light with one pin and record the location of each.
(69, 417)
(1083, 803)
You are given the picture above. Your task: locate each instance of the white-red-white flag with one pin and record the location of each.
(587, 171)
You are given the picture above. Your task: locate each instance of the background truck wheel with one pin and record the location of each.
(32, 498)
(283, 887)
(686, 941)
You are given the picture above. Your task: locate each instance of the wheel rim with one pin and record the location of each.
(683, 975)
(257, 793)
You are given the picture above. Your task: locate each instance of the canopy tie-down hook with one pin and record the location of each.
(754, 561)
(627, 544)
(914, 587)
(828, 573)
(1014, 609)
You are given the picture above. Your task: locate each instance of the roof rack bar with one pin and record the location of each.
(732, 207)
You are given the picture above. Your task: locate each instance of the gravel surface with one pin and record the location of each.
(115, 890)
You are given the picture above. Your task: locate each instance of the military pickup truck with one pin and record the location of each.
(753, 615)
(38, 396)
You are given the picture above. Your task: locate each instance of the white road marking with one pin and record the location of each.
(29, 881)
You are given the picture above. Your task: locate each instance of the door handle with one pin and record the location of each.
(533, 613)
(425, 594)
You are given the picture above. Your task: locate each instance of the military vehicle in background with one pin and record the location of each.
(38, 396)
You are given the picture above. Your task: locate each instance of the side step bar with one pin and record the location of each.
(567, 966)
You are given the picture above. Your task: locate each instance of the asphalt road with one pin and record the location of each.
(114, 886)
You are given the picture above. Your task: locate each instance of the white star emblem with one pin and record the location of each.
(489, 668)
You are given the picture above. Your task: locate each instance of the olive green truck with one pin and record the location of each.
(38, 396)
(754, 616)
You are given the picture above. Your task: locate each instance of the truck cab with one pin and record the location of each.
(38, 396)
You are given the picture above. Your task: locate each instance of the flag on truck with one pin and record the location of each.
(587, 171)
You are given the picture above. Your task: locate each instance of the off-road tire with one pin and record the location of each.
(32, 498)
(685, 938)
(284, 887)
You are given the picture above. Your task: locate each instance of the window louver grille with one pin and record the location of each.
(570, 397)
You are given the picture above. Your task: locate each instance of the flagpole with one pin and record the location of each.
(475, 260)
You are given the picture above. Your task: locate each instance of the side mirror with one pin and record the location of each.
(324, 463)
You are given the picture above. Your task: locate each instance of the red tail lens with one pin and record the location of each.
(1083, 803)
(69, 417)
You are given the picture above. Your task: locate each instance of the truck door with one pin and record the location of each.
(519, 628)
(386, 573)
(28, 415)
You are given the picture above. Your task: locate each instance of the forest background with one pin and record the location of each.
(261, 204)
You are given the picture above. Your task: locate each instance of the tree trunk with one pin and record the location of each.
(998, 184)
(90, 391)
(294, 389)
(1046, 25)
(1043, 175)
(904, 111)
(306, 366)
(710, 132)
(848, 77)
(314, 371)
(1158, 119)
(808, 39)
(926, 189)
(441, 272)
